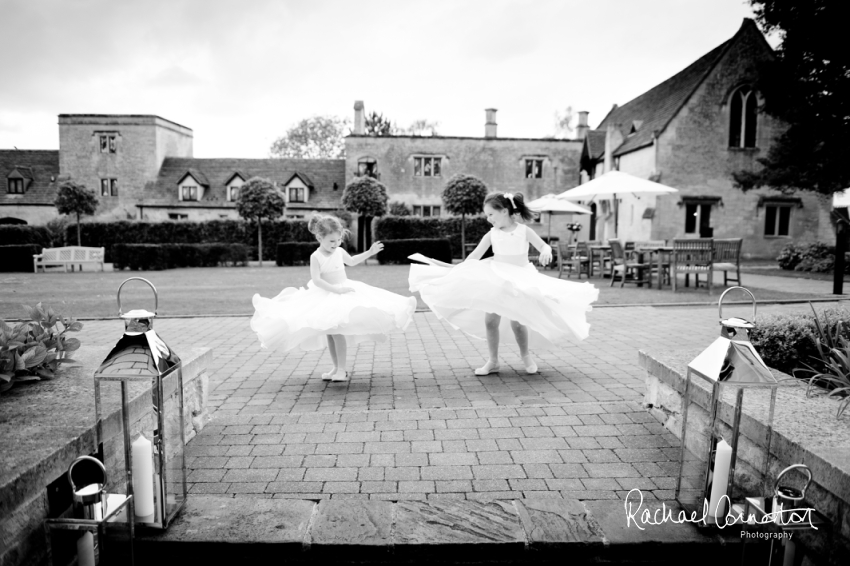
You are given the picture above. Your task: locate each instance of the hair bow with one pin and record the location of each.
(510, 197)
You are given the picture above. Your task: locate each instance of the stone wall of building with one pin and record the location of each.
(141, 144)
(499, 162)
(694, 156)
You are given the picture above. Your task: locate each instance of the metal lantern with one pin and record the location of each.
(150, 377)
(714, 479)
(93, 508)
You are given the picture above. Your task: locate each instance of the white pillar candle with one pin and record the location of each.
(85, 550)
(143, 478)
(722, 461)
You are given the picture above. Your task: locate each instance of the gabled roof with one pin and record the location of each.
(38, 167)
(21, 172)
(320, 174)
(240, 174)
(303, 177)
(653, 110)
(197, 175)
(596, 143)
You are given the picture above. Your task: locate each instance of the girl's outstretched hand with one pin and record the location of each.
(344, 290)
(546, 256)
(376, 247)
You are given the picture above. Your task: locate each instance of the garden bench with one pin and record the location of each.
(68, 255)
(727, 257)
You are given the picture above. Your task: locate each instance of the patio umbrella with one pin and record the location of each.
(615, 183)
(551, 204)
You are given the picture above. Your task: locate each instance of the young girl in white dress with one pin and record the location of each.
(506, 290)
(346, 311)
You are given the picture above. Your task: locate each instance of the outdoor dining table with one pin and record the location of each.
(601, 250)
(659, 252)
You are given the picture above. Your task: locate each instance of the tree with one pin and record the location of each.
(377, 125)
(464, 194)
(366, 197)
(319, 137)
(807, 86)
(563, 124)
(74, 198)
(399, 209)
(422, 128)
(259, 199)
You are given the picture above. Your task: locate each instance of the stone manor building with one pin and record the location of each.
(690, 132)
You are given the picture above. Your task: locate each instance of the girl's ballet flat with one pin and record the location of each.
(337, 378)
(487, 371)
(328, 375)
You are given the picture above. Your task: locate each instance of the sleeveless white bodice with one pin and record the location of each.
(332, 263)
(510, 243)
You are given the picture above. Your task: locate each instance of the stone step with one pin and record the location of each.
(220, 530)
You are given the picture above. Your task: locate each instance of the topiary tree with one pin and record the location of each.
(366, 197)
(464, 194)
(259, 199)
(399, 209)
(74, 198)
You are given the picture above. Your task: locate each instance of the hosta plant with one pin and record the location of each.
(32, 350)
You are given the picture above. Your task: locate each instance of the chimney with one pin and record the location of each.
(581, 129)
(609, 149)
(490, 124)
(359, 124)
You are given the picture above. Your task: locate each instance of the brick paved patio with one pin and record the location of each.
(414, 422)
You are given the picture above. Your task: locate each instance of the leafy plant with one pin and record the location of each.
(834, 354)
(464, 194)
(259, 199)
(34, 349)
(74, 198)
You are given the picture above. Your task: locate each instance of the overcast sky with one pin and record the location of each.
(240, 73)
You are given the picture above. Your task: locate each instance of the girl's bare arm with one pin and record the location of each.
(541, 246)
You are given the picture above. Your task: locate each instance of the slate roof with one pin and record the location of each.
(656, 107)
(596, 143)
(319, 174)
(37, 167)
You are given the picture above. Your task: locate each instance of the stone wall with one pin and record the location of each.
(805, 430)
(142, 143)
(694, 156)
(48, 426)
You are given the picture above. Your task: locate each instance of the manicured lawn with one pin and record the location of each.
(228, 290)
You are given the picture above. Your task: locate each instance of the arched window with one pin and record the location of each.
(743, 118)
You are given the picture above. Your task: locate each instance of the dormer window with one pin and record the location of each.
(107, 143)
(189, 192)
(743, 118)
(233, 185)
(636, 124)
(297, 188)
(15, 186)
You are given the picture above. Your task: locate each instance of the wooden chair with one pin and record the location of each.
(623, 264)
(692, 256)
(573, 258)
(727, 257)
(665, 265)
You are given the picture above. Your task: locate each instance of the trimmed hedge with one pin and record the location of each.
(167, 256)
(786, 341)
(415, 227)
(104, 234)
(12, 235)
(396, 251)
(18, 257)
(298, 253)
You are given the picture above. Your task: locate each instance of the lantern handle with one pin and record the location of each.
(788, 469)
(77, 461)
(155, 294)
(720, 301)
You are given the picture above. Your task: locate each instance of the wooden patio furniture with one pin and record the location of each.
(692, 256)
(624, 265)
(727, 257)
(573, 257)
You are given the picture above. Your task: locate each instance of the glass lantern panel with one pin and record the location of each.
(695, 455)
(172, 446)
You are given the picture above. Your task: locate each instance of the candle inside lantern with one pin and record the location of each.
(85, 550)
(720, 481)
(143, 478)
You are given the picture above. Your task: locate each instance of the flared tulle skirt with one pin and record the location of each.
(302, 317)
(554, 310)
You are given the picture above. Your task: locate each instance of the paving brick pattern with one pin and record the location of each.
(414, 422)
